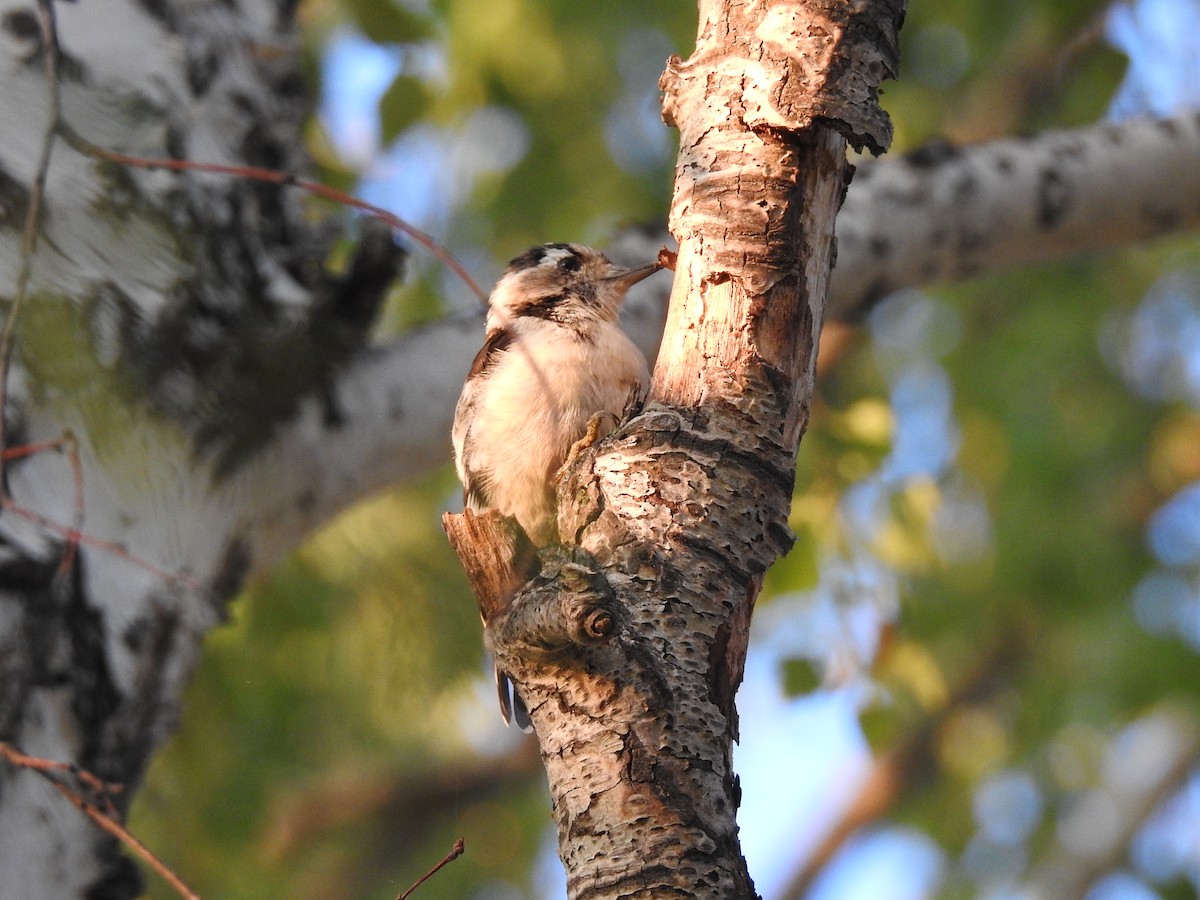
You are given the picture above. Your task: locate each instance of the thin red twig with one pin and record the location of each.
(455, 852)
(69, 444)
(271, 176)
(104, 818)
(74, 534)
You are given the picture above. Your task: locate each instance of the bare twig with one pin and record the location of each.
(100, 810)
(455, 852)
(100, 789)
(69, 444)
(286, 179)
(79, 537)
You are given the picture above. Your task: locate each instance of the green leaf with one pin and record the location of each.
(388, 22)
(799, 677)
(402, 104)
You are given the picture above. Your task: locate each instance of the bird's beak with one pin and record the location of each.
(623, 281)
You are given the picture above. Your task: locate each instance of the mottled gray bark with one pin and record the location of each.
(945, 213)
(184, 330)
(629, 644)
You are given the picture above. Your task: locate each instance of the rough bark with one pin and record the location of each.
(629, 645)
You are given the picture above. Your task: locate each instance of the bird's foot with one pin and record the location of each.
(599, 426)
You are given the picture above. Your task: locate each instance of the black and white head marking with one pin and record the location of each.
(568, 284)
(563, 257)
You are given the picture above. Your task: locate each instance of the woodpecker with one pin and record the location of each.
(553, 358)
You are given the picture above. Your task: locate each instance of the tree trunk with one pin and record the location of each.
(184, 332)
(629, 645)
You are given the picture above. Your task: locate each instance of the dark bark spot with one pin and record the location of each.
(202, 69)
(353, 300)
(175, 143)
(847, 177)
(1114, 134)
(933, 154)
(160, 10)
(332, 416)
(1053, 198)
(641, 761)
(21, 572)
(94, 695)
(122, 881)
(969, 241)
(14, 200)
(1160, 220)
(122, 196)
(965, 187)
(395, 408)
(721, 690)
(136, 635)
(117, 747)
(235, 566)
(1004, 164)
(23, 25)
(880, 247)
(1169, 127)
(306, 502)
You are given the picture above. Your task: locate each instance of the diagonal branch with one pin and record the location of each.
(938, 215)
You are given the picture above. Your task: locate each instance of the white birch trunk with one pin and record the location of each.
(183, 329)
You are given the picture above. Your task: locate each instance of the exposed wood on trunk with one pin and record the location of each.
(629, 646)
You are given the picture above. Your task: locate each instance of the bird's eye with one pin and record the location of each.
(570, 263)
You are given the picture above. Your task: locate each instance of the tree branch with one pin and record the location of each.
(940, 214)
(944, 213)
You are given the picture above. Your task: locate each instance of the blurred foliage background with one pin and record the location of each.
(989, 625)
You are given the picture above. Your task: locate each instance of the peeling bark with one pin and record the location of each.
(629, 645)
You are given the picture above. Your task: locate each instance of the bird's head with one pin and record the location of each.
(569, 284)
